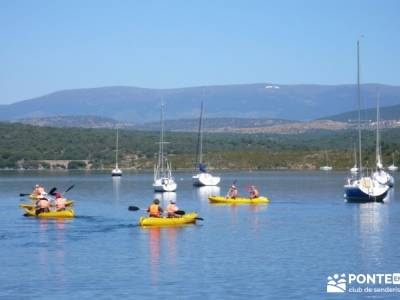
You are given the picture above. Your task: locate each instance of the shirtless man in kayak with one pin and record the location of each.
(60, 202)
(42, 205)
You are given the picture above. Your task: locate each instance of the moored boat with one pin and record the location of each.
(116, 172)
(203, 178)
(363, 188)
(163, 179)
(393, 167)
(380, 175)
(185, 219)
(68, 213)
(239, 200)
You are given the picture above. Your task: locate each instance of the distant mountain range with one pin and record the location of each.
(253, 101)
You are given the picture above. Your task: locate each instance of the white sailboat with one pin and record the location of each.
(203, 178)
(393, 167)
(363, 188)
(163, 180)
(327, 167)
(354, 169)
(380, 175)
(116, 172)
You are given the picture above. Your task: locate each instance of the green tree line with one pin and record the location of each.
(24, 146)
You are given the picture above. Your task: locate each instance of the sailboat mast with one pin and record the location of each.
(355, 156)
(200, 137)
(116, 152)
(378, 139)
(161, 157)
(359, 107)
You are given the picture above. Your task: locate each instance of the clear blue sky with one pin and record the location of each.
(52, 45)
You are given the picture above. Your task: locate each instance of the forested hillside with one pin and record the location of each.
(31, 147)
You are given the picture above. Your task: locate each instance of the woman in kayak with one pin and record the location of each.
(171, 209)
(155, 210)
(60, 202)
(39, 190)
(42, 205)
(233, 192)
(254, 193)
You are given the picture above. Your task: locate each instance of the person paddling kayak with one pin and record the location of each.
(155, 210)
(43, 204)
(254, 193)
(172, 209)
(60, 202)
(38, 190)
(233, 192)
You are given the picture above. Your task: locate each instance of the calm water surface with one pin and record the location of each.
(283, 250)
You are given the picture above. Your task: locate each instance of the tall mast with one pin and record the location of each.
(116, 152)
(161, 154)
(359, 107)
(355, 155)
(378, 139)
(199, 149)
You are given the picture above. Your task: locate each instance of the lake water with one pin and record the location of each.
(283, 250)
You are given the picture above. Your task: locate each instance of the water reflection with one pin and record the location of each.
(52, 235)
(116, 187)
(372, 218)
(60, 253)
(154, 242)
(204, 192)
(157, 238)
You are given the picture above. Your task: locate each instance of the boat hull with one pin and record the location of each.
(69, 213)
(220, 199)
(116, 173)
(189, 218)
(326, 168)
(365, 190)
(205, 179)
(165, 185)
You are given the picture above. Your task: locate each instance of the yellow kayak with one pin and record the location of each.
(32, 206)
(185, 219)
(220, 199)
(69, 213)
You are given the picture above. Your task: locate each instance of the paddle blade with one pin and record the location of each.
(133, 208)
(200, 219)
(23, 195)
(51, 192)
(70, 188)
(180, 212)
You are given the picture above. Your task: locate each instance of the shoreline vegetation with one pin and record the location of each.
(26, 147)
